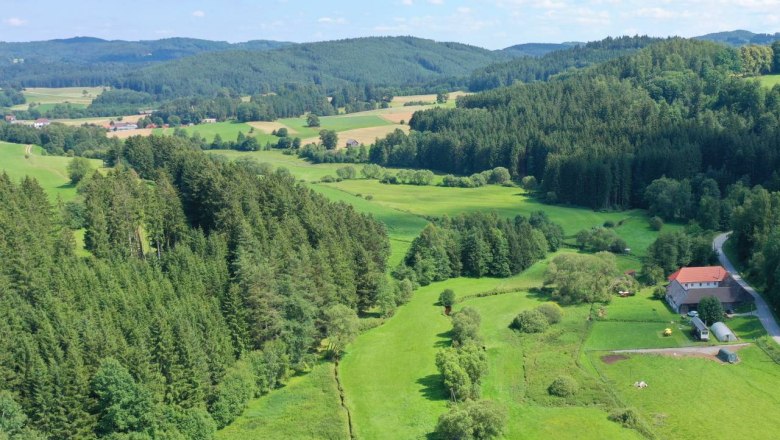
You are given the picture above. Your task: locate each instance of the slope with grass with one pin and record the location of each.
(50, 171)
(227, 130)
(434, 201)
(278, 415)
(690, 397)
(769, 81)
(46, 97)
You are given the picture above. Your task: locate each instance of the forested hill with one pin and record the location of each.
(529, 69)
(87, 61)
(385, 61)
(538, 49)
(740, 38)
(598, 137)
(89, 50)
(167, 333)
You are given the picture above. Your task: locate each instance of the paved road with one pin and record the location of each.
(711, 349)
(762, 309)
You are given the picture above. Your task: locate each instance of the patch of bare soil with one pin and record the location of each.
(612, 358)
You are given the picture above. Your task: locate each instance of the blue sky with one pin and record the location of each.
(487, 23)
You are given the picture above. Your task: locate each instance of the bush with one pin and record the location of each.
(609, 224)
(529, 183)
(563, 386)
(659, 292)
(478, 420)
(630, 418)
(656, 223)
(447, 298)
(328, 179)
(553, 312)
(710, 310)
(530, 321)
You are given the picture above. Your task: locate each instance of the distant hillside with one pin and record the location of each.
(380, 61)
(529, 69)
(88, 50)
(740, 38)
(538, 49)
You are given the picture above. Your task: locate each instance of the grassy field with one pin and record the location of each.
(338, 123)
(769, 81)
(691, 397)
(44, 96)
(227, 130)
(506, 201)
(277, 415)
(50, 171)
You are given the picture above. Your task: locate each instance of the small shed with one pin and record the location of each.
(722, 332)
(727, 355)
(700, 330)
(352, 143)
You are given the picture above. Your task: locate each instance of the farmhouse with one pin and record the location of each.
(208, 121)
(689, 285)
(352, 143)
(10, 118)
(41, 122)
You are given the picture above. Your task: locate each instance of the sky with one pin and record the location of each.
(492, 24)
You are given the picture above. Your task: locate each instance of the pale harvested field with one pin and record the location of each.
(98, 121)
(399, 101)
(268, 127)
(365, 136)
(124, 134)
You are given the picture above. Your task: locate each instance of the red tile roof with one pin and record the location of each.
(699, 274)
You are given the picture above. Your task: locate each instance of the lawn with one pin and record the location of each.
(50, 96)
(308, 407)
(691, 397)
(769, 81)
(50, 171)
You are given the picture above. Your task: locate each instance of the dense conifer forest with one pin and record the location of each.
(598, 137)
(206, 286)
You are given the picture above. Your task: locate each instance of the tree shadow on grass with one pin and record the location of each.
(66, 186)
(432, 387)
(445, 339)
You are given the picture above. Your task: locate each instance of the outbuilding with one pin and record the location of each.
(722, 332)
(700, 330)
(727, 355)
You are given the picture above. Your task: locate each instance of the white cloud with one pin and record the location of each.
(15, 21)
(407, 2)
(330, 20)
(464, 10)
(198, 14)
(436, 2)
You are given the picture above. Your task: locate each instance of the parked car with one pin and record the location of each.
(693, 314)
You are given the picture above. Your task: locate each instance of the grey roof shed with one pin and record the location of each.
(722, 332)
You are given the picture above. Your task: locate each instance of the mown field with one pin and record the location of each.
(50, 171)
(46, 97)
(769, 81)
(227, 130)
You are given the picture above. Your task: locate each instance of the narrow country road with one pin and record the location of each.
(762, 309)
(710, 350)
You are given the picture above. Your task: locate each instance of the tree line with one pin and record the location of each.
(478, 245)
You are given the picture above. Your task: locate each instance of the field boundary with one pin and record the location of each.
(342, 398)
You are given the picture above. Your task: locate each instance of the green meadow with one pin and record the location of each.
(227, 130)
(46, 97)
(769, 81)
(50, 171)
(277, 415)
(690, 397)
(337, 123)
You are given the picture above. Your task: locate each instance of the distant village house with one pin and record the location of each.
(352, 143)
(689, 285)
(208, 121)
(41, 122)
(10, 118)
(122, 126)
